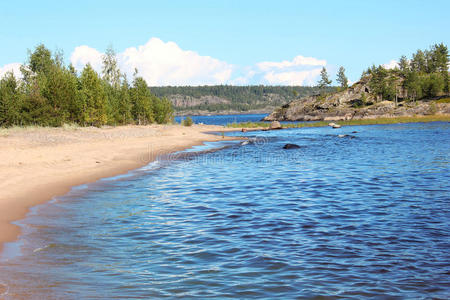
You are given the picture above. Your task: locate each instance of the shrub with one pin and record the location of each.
(188, 121)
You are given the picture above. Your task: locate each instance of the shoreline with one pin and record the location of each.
(354, 122)
(42, 163)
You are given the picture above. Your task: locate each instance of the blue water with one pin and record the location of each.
(223, 119)
(364, 216)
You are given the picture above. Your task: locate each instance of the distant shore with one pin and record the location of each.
(367, 121)
(41, 163)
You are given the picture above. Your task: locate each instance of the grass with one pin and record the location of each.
(443, 100)
(394, 120)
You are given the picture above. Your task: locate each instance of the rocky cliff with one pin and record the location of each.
(356, 102)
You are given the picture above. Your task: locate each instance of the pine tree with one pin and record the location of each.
(141, 100)
(93, 97)
(324, 80)
(9, 101)
(341, 78)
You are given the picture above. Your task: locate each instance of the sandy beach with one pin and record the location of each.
(40, 163)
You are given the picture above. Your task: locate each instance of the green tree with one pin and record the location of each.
(141, 100)
(125, 107)
(111, 72)
(403, 65)
(93, 97)
(9, 101)
(324, 80)
(341, 78)
(163, 110)
(418, 62)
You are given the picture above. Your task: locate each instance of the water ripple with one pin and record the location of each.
(356, 218)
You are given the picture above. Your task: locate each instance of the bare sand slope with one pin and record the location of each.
(38, 164)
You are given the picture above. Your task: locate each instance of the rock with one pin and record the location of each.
(291, 146)
(245, 143)
(346, 136)
(348, 104)
(275, 125)
(354, 131)
(331, 124)
(336, 126)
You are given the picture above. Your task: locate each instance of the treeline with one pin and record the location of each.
(52, 94)
(425, 75)
(242, 98)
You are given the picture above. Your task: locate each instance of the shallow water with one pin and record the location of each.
(366, 215)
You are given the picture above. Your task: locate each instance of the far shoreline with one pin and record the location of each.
(354, 122)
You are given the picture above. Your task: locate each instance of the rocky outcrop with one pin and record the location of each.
(189, 101)
(356, 102)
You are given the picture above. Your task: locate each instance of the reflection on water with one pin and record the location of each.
(344, 217)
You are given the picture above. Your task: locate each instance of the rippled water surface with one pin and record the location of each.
(366, 215)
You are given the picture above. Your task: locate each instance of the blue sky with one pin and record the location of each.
(237, 36)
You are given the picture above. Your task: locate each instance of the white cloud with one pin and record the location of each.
(293, 77)
(13, 67)
(83, 55)
(391, 65)
(161, 63)
(300, 71)
(165, 63)
(298, 61)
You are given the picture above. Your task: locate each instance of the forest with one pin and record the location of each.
(425, 75)
(240, 98)
(53, 94)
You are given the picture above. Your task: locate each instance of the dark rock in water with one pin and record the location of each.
(354, 131)
(346, 136)
(291, 146)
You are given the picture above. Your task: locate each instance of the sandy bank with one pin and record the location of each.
(38, 164)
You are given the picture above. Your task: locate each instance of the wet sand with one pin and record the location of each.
(40, 163)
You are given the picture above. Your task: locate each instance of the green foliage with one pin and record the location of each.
(9, 100)
(163, 110)
(382, 83)
(324, 80)
(188, 121)
(443, 100)
(341, 78)
(142, 102)
(393, 120)
(93, 98)
(51, 94)
(241, 98)
(432, 85)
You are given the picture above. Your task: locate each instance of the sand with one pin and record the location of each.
(38, 164)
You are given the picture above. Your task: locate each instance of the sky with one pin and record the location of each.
(224, 42)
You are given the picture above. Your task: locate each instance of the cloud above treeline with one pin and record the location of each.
(165, 63)
(14, 68)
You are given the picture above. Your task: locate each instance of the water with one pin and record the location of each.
(223, 119)
(362, 217)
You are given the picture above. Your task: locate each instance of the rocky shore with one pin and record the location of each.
(356, 102)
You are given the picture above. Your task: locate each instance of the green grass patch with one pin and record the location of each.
(443, 100)
(395, 120)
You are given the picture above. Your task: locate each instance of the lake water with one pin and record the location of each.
(367, 215)
(223, 119)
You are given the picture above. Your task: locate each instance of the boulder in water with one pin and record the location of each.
(291, 146)
(275, 125)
